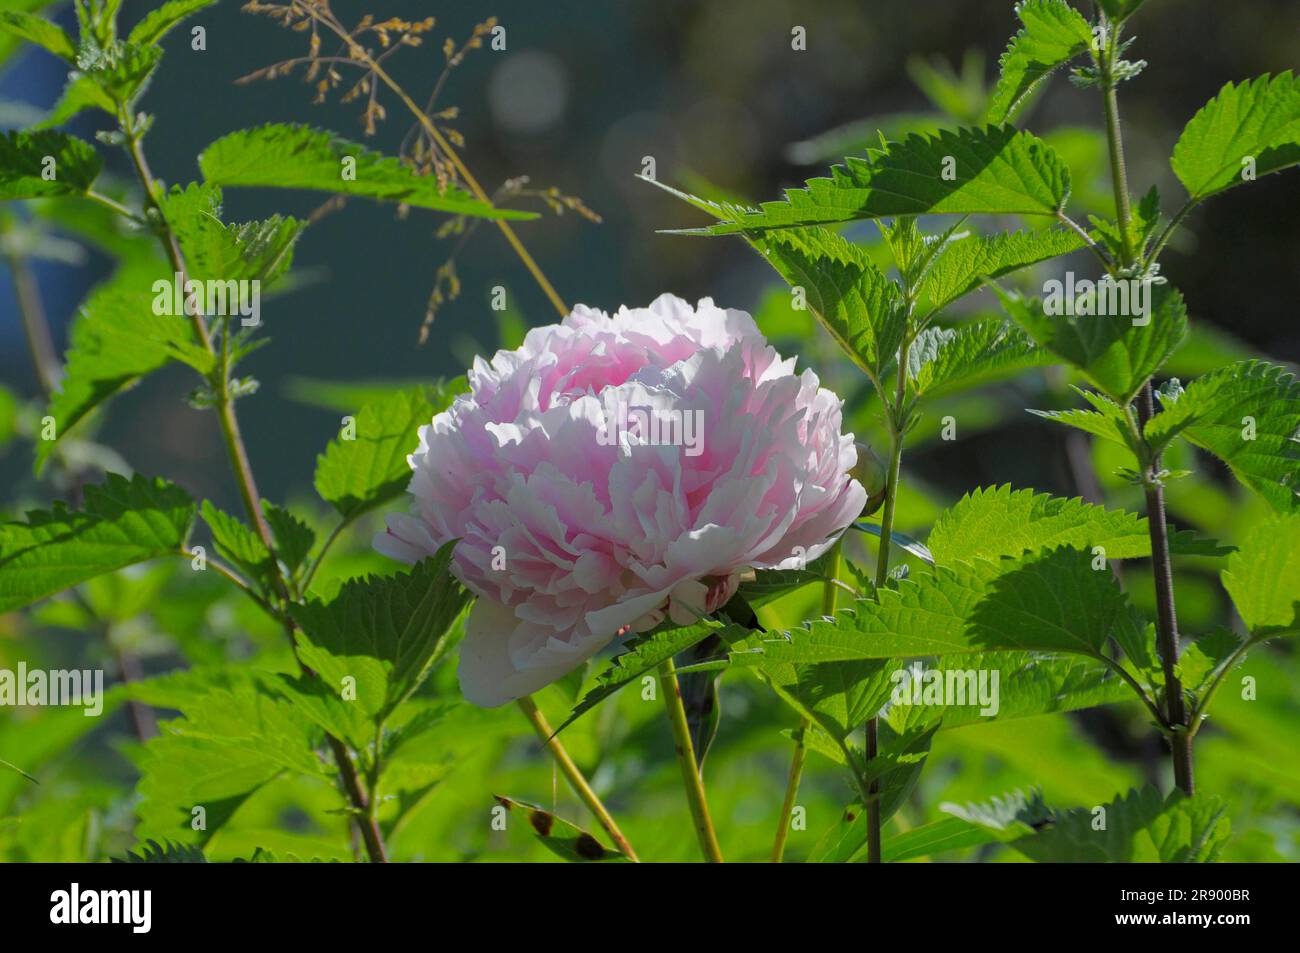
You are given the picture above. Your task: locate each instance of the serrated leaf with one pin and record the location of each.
(40, 31)
(1257, 120)
(230, 743)
(996, 521)
(123, 522)
(951, 833)
(369, 470)
(79, 94)
(994, 170)
(215, 251)
(168, 852)
(1142, 826)
(1054, 33)
(383, 633)
(116, 339)
(299, 157)
(1052, 601)
(1115, 354)
(238, 543)
(1028, 684)
(942, 360)
(159, 21)
(122, 69)
(964, 265)
(25, 164)
(1120, 10)
(561, 837)
(643, 654)
(861, 309)
(1248, 415)
(1107, 419)
(1263, 575)
(293, 538)
(838, 696)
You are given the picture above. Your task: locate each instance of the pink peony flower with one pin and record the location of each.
(616, 471)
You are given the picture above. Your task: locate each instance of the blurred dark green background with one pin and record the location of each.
(582, 94)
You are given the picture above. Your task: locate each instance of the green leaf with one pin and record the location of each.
(368, 470)
(1252, 126)
(943, 360)
(1028, 685)
(384, 633)
(561, 837)
(122, 523)
(1107, 420)
(643, 654)
(997, 521)
(347, 396)
(116, 339)
(239, 544)
(299, 157)
(964, 265)
(122, 69)
(1142, 826)
(34, 164)
(1120, 10)
(769, 584)
(230, 744)
(951, 833)
(1043, 601)
(838, 696)
(1008, 816)
(994, 170)
(219, 252)
(861, 309)
(168, 852)
(293, 537)
(1113, 352)
(1263, 576)
(79, 94)
(40, 31)
(1054, 33)
(159, 21)
(1248, 415)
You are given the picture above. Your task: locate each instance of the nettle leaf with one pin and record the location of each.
(168, 852)
(942, 360)
(838, 696)
(1249, 129)
(1028, 684)
(964, 265)
(122, 69)
(1054, 33)
(996, 521)
(1263, 576)
(1115, 354)
(384, 633)
(1120, 10)
(1052, 601)
(158, 22)
(299, 157)
(230, 743)
(122, 523)
(1141, 827)
(217, 251)
(1248, 415)
(1107, 420)
(293, 538)
(861, 309)
(40, 31)
(370, 468)
(643, 654)
(116, 339)
(239, 544)
(34, 164)
(994, 170)
(562, 837)
(952, 833)
(79, 94)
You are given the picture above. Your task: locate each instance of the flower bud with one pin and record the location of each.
(870, 472)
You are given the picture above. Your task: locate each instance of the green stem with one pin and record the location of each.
(574, 775)
(691, 780)
(1115, 144)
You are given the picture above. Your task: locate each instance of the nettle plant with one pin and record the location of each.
(1019, 583)
(1020, 590)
